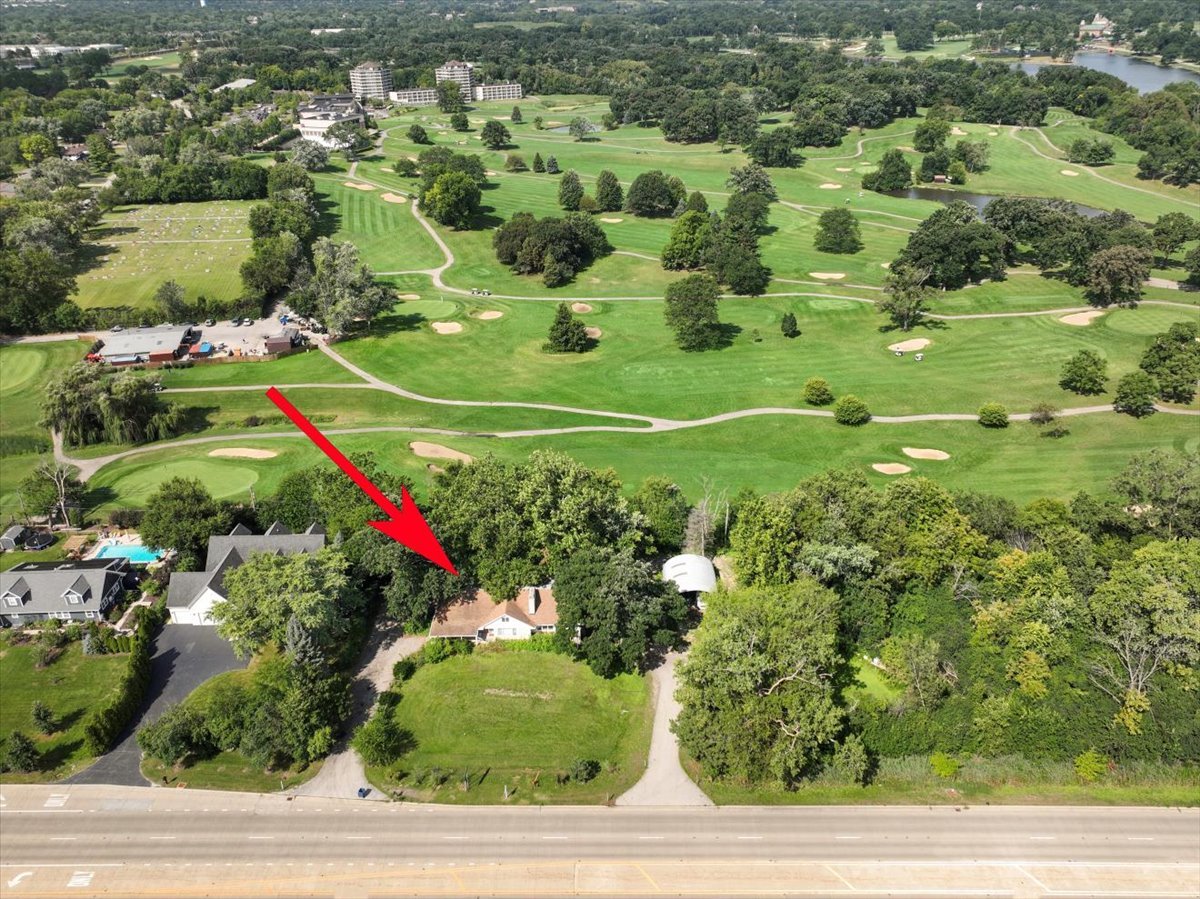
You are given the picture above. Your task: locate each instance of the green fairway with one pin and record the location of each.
(518, 719)
(165, 63)
(387, 235)
(136, 248)
(72, 685)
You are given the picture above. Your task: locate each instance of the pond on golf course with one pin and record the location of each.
(979, 201)
(1141, 74)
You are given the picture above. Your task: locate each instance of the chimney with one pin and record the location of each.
(533, 600)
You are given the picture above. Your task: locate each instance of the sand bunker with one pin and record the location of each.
(829, 185)
(437, 451)
(914, 453)
(1080, 319)
(904, 346)
(241, 452)
(409, 296)
(357, 185)
(993, 134)
(581, 308)
(490, 315)
(393, 198)
(828, 276)
(885, 265)
(891, 468)
(446, 327)
(958, 132)
(612, 221)
(1069, 173)
(908, 149)
(845, 169)
(594, 333)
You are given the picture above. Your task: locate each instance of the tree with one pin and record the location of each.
(1191, 262)
(22, 754)
(691, 312)
(34, 285)
(453, 200)
(751, 178)
(756, 690)
(850, 410)
(933, 164)
(662, 503)
(567, 333)
(954, 247)
(1087, 151)
(515, 117)
(169, 299)
(538, 165)
(1086, 373)
(837, 232)
(913, 662)
(609, 195)
(418, 135)
(312, 156)
(690, 241)
(1115, 275)
(272, 265)
(1135, 394)
(459, 122)
(580, 128)
(52, 489)
(788, 326)
(449, 97)
(972, 154)
(1144, 619)
(349, 137)
(905, 296)
(514, 162)
(993, 415)
(570, 191)
(552, 166)
(957, 173)
(36, 147)
(381, 740)
(650, 195)
(266, 591)
(1173, 360)
(87, 405)
(619, 607)
(182, 515)
(817, 392)
(894, 173)
(1172, 230)
(43, 717)
(697, 202)
(286, 177)
(178, 733)
(342, 290)
(776, 149)
(931, 135)
(1164, 486)
(494, 135)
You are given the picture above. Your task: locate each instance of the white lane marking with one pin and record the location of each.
(256, 837)
(1142, 839)
(454, 838)
(846, 837)
(357, 837)
(554, 838)
(15, 880)
(41, 811)
(1037, 883)
(749, 838)
(651, 838)
(63, 839)
(81, 879)
(1041, 838)
(56, 800)
(834, 872)
(162, 838)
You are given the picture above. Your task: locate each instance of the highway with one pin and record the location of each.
(68, 840)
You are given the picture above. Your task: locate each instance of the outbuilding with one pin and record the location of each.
(160, 344)
(692, 575)
(14, 537)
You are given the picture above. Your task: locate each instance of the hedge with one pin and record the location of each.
(108, 722)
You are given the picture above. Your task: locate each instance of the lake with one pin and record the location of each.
(1138, 73)
(979, 201)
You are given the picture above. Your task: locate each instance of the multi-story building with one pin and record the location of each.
(417, 96)
(370, 79)
(462, 74)
(323, 111)
(507, 91)
(459, 72)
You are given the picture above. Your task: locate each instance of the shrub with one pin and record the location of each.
(381, 740)
(1135, 394)
(107, 722)
(944, 765)
(441, 648)
(788, 326)
(1043, 413)
(583, 770)
(850, 760)
(1090, 766)
(850, 410)
(405, 668)
(179, 732)
(22, 754)
(817, 392)
(993, 415)
(43, 718)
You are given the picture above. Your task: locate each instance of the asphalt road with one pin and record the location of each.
(185, 656)
(245, 844)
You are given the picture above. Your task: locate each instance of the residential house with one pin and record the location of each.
(191, 595)
(75, 152)
(236, 85)
(482, 619)
(1100, 27)
(68, 591)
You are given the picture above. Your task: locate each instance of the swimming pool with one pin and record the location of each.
(134, 552)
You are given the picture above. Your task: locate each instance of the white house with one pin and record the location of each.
(481, 618)
(191, 595)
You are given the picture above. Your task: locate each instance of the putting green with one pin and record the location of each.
(223, 478)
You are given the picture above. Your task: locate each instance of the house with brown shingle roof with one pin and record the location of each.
(481, 618)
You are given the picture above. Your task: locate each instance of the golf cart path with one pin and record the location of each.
(664, 782)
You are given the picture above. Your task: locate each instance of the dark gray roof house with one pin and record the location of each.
(14, 537)
(192, 594)
(68, 591)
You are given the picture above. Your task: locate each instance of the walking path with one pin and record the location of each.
(342, 773)
(664, 782)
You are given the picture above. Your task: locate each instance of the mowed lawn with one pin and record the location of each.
(388, 236)
(519, 719)
(137, 248)
(72, 685)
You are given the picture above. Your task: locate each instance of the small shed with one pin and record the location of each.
(693, 575)
(939, 179)
(200, 350)
(14, 537)
(283, 341)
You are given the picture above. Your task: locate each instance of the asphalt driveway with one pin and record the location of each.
(185, 656)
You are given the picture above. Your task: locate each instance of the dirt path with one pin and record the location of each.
(664, 782)
(343, 774)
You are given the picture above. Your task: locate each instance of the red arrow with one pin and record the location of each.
(406, 525)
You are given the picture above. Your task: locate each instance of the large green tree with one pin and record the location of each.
(181, 515)
(453, 199)
(837, 232)
(1115, 275)
(691, 312)
(905, 296)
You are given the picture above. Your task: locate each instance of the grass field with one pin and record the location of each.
(72, 685)
(135, 249)
(518, 719)
(165, 63)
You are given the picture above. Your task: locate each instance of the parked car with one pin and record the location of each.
(116, 328)
(236, 322)
(209, 322)
(247, 322)
(39, 541)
